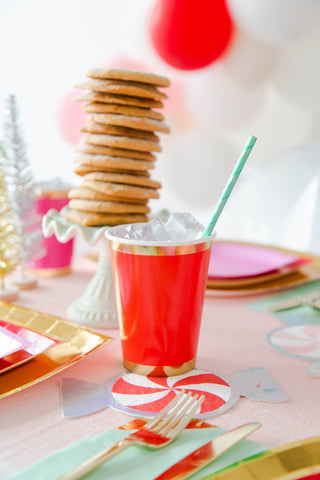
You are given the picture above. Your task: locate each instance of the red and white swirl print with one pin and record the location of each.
(300, 341)
(135, 393)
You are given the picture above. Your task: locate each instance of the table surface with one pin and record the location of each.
(232, 338)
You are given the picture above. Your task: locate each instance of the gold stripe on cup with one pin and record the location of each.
(160, 250)
(159, 370)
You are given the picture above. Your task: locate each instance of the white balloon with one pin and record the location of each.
(280, 125)
(275, 21)
(314, 130)
(278, 202)
(297, 76)
(195, 166)
(216, 100)
(250, 62)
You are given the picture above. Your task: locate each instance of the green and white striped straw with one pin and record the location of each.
(229, 186)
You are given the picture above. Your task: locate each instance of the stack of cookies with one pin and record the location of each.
(118, 149)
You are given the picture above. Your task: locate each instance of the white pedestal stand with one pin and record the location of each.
(97, 306)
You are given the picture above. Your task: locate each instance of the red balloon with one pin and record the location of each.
(190, 34)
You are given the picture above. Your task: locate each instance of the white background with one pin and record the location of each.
(266, 84)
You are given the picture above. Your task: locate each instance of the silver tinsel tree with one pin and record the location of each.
(10, 244)
(20, 183)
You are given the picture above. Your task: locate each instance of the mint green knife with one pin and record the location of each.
(206, 454)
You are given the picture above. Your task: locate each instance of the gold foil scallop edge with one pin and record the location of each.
(288, 462)
(75, 342)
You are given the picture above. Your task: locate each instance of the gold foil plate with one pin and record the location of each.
(288, 462)
(75, 342)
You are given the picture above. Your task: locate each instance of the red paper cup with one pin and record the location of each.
(58, 256)
(160, 289)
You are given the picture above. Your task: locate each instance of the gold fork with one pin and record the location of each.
(157, 433)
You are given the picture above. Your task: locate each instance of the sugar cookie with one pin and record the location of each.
(134, 89)
(89, 219)
(123, 178)
(131, 122)
(114, 152)
(82, 169)
(114, 130)
(114, 162)
(89, 194)
(129, 75)
(98, 206)
(121, 190)
(126, 143)
(96, 107)
(118, 99)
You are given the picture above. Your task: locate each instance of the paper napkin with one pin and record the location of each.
(145, 464)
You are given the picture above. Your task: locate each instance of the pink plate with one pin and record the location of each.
(237, 260)
(19, 345)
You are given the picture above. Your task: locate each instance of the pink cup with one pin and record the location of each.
(58, 257)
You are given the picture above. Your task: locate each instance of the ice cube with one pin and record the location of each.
(151, 231)
(124, 231)
(183, 226)
(128, 231)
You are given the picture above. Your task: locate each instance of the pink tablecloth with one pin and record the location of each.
(232, 338)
